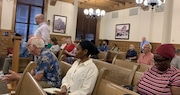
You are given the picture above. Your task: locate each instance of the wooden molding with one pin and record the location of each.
(53, 2)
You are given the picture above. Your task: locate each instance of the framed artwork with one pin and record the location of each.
(122, 31)
(59, 24)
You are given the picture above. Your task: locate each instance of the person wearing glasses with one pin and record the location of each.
(162, 78)
(47, 72)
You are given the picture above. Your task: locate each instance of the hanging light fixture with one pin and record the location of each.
(151, 3)
(94, 12)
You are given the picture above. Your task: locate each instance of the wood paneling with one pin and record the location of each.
(5, 41)
(124, 45)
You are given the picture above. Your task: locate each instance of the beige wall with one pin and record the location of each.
(140, 25)
(61, 8)
(146, 23)
(7, 13)
(175, 37)
(64, 9)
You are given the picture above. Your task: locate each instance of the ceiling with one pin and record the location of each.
(107, 5)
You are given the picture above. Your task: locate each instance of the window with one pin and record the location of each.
(25, 16)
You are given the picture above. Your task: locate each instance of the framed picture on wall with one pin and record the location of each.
(59, 24)
(122, 31)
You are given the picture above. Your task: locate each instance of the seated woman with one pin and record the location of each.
(115, 48)
(81, 77)
(55, 47)
(69, 48)
(131, 53)
(71, 58)
(162, 78)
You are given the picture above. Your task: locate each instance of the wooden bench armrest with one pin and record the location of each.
(100, 76)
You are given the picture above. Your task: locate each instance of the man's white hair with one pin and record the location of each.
(38, 42)
(149, 45)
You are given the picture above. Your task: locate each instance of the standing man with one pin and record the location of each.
(143, 43)
(43, 30)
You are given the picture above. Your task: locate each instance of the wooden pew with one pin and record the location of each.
(27, 85)
(22, 83)
(64, 67)
(116, 74)
(108, 88)
(99, 79)
(23, 62)
(136, 77)
(60, 54)
(102, 56)
(123, 63)
(15, 60)
(110, 56)
(130, 65)
(143, 67)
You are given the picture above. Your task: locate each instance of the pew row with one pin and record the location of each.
(108, 88)
(102, 56)
(102, 83)
(130, 65)
(111, 56)
(27, 85)
(116, 74)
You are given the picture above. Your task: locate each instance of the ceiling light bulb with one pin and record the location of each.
(86, 11)
(145, 2)
(103, 12)
(91, 11)
(139, 1)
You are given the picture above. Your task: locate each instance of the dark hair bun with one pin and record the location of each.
(85, 44)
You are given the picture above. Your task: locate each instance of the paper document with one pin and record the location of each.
(51, 90)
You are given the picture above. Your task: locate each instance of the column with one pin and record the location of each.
(167, 25)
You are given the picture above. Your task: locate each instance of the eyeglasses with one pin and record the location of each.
(160, 60)
(29, 45)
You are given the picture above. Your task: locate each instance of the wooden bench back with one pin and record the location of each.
(125, 64)
(136, 77)
(23, 62)
(110, 56)
(31, 65)
(60, 53)
(29, 86)
(143, 67)
(102, 56)
(64, 67)
(116, 74)
(108, 88)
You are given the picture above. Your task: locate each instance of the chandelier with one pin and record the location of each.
(152, 3)
(94, 12)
